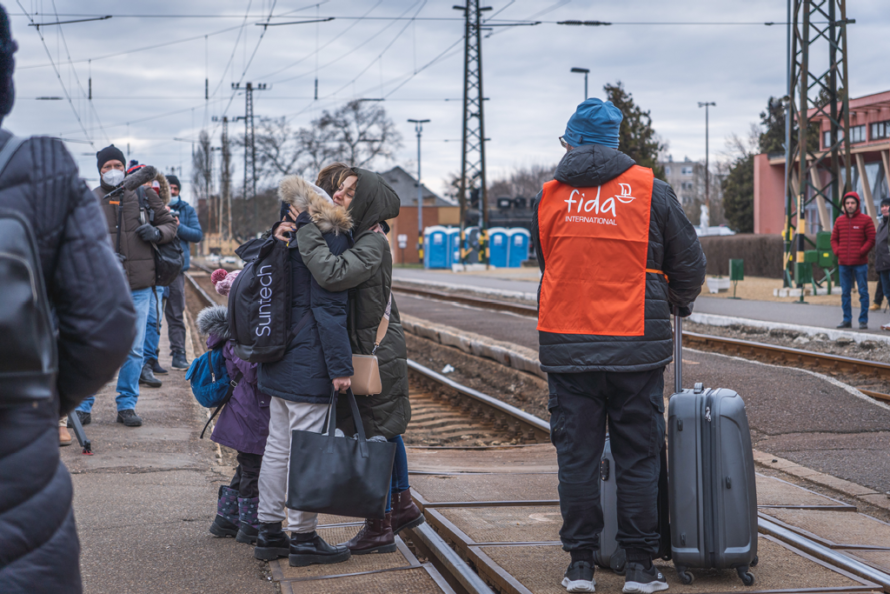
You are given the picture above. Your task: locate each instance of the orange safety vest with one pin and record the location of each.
(595, 242)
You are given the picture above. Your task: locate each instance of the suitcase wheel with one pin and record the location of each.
(755, 561)
(684, 575)
(746, 576)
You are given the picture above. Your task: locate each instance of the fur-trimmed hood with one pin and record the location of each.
(213, 320)
(327, 216)
(164, 191)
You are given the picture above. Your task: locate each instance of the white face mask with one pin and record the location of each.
(113, 177)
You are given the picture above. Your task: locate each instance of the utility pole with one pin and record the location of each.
(584, 71)
(418, 127)
(250, 144)
(706, 224)
(225, 174)
(472, 165)
(824, 91)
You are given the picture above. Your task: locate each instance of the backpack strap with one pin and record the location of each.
(232, 385)
(9, 149)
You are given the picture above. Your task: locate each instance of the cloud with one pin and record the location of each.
(160, 91)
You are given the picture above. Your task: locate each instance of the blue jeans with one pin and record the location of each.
(152, 325)
(884, 279)
(128, 377)
(861, 276)
(399, 471)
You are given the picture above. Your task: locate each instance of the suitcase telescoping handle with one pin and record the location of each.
(678, 353)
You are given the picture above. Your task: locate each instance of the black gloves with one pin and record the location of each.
(148, 233)
(683, 312)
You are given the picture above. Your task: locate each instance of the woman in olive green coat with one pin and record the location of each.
(366, 271)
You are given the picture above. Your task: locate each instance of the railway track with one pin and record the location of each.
(764, 352)
(448, 415)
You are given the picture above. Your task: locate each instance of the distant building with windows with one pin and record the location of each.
(686, 177)
(870, 168)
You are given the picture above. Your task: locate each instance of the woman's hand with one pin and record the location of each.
(341, 384)
(283, 229)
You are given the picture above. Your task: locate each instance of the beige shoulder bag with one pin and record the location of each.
(366, 378)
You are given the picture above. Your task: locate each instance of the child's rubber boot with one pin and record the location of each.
(226, 521)
(249, 526)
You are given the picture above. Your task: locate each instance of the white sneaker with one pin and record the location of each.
(643, 581)
(579, 578)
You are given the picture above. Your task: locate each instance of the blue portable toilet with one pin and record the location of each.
(518, 252)
(498, 247)
(453, 245)
(471, 244)
(435, 247)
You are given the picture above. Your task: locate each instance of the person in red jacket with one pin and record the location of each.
(852, 238)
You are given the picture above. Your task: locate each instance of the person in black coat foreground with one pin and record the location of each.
(95, 326)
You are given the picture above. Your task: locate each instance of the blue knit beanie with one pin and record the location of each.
(594, 122)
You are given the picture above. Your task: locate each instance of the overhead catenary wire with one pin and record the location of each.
(77, 79)
(61, 82)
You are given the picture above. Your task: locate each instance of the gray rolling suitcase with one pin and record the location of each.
(609, 555)
(713, 498)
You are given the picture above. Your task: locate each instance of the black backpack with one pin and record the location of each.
(28, 358)
(169, 258)
(260, 302)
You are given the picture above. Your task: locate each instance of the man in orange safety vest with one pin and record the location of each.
(617, 253)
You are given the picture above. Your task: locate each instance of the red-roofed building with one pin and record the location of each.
(870, 168)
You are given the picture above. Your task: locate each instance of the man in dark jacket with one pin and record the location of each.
(852, 238)
(617, 253)
(188, 230)
(882, 252)
(134, 225)
(95, 323)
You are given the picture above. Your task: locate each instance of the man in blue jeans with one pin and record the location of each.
(171, 300)
(139, 228)
(852, 238)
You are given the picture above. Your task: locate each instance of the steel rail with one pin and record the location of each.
(824, 553)
(744, 348)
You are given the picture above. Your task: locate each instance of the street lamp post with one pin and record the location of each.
(418, 127)
(585, 72)
(707, 172)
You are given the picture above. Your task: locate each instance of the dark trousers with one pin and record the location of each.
(580, 404)
(173, 310)
(247, 475)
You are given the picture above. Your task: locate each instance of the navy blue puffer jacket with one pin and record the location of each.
(39, 550)
(320, 351)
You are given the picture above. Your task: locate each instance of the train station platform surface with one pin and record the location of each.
(719, 311)
(499, 507)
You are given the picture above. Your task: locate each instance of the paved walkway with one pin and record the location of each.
(820, 316)
(144, 501)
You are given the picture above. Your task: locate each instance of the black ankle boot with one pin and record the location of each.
(307, 549)
(271, 542)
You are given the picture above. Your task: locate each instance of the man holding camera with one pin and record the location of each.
(133, 230)
(188, 230)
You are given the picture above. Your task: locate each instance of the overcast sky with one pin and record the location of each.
(149, 61)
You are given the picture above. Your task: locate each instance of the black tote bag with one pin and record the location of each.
(339, 475)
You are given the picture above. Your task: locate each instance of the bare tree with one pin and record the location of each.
(524, 182)
(278, 149)
(359, 132)
(202, 166)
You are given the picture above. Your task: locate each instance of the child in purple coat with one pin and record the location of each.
(243, 425)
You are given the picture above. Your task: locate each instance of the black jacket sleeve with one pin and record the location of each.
(536, 233)
(684, 261)
(90, 295)
(329, 308)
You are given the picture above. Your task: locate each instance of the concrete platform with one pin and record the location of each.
(708, 310)
(514, 543)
